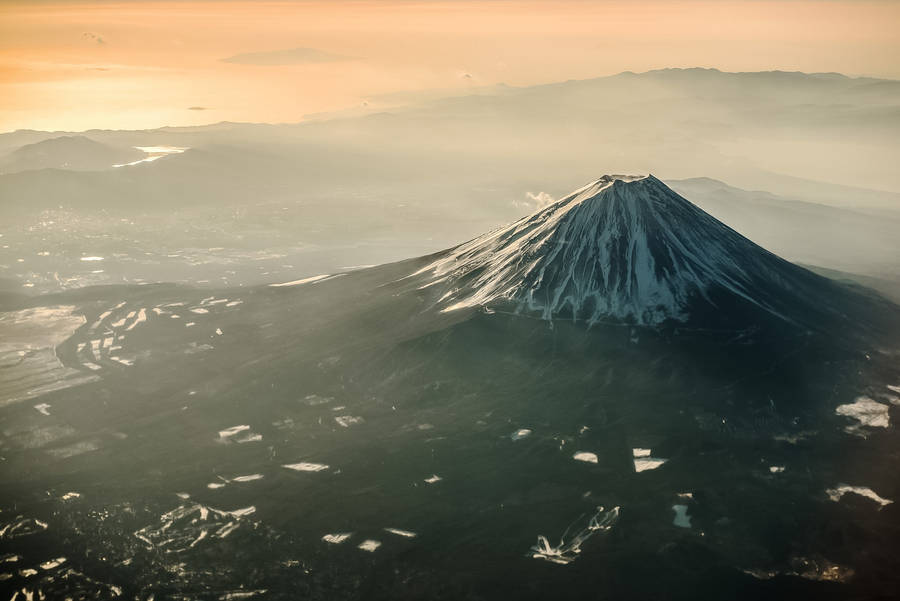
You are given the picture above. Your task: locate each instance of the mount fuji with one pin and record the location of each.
(616, 397)
(629, 249)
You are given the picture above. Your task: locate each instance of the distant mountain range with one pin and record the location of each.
(73, 153)
(429, 170)
(766, 130)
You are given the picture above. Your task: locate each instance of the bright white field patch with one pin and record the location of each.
(28, 352)
(585, 456)
(867, 412)
(399, 532)
(520, 434)
(305, 466)
(643, 461)
(369, 545)
(836, 493)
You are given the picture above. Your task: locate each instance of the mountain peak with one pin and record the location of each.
(618, 188)
(598, 185)
(622, 248)
(612, 178)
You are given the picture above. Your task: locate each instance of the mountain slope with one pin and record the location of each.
(346, 437)
(628, 249)
(77, 153)
(853, 240)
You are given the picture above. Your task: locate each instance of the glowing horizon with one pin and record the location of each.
(73, 66)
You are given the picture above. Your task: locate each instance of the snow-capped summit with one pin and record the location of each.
(622, 248)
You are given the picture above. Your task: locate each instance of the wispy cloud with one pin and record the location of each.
(293, 56)
(197, 108)
(90, 35)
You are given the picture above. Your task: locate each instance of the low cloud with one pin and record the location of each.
(197, 108)
(294, 56)
(534, 202)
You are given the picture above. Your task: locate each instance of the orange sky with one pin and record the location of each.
(75, 66)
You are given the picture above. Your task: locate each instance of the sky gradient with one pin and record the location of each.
(74, 66)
